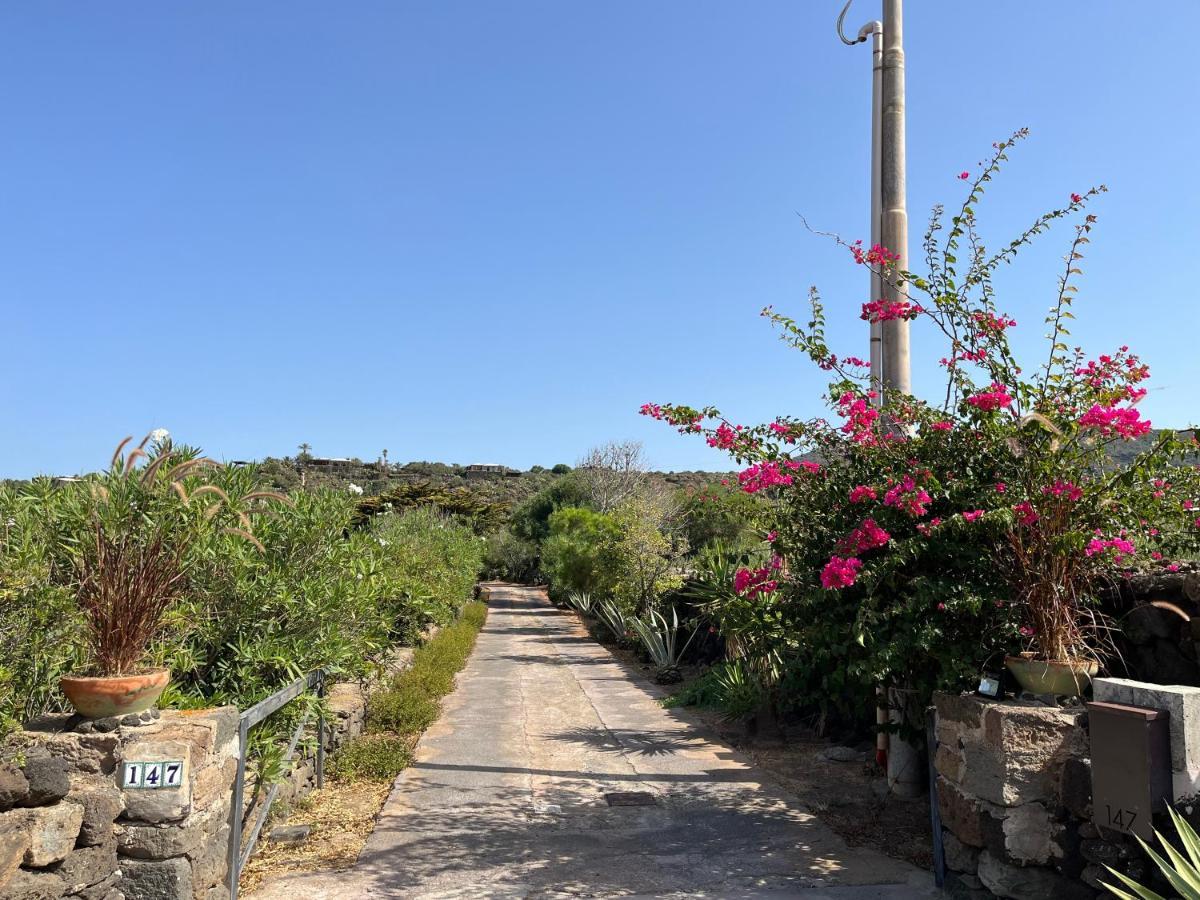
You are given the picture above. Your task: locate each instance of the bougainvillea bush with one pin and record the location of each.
(919, 540)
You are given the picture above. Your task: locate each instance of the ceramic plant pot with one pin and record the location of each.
(119, 695)
(1042, 676)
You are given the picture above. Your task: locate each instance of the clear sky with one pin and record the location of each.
(488, 231)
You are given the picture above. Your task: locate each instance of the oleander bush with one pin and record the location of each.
(309, 585)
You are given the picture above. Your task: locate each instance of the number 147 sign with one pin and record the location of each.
(153, 774)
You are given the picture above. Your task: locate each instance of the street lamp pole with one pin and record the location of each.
(895, 371)
(889, 340)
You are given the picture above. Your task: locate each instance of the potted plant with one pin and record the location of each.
(137, 526)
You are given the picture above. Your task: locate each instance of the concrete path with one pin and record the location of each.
(506, 797)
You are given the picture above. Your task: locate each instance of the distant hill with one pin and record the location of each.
(509, 486)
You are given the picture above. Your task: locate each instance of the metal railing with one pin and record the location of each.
(239, 855)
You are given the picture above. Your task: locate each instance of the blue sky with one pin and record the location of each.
(478, 231)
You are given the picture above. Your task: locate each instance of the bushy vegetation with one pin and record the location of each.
(399, 711)
(913, 542)
(268, 588)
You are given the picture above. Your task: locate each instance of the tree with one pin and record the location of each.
(612, 474)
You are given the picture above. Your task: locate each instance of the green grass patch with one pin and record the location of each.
(410, 702)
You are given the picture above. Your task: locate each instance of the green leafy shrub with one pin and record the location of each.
(372, 757)
(572, 554)
(410, 702)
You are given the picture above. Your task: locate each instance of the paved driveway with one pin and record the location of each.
(507, 796)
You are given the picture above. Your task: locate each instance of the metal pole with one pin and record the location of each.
(235, 810)
(895, 361)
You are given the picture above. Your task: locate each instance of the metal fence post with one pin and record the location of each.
(321, 729)
(235, 812)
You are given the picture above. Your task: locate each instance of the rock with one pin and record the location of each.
(1029, 834)
(1088, 830)
(213, 782)
(1022, 753)
(842, 754)
(949, 763)
(14, 842)
(211, 865)
(103, 890)
(290, 835)
(28, 885)
(87, 866)
(1028, 882)
(173, 839)
(167, 879)
(52, 833)
(102, 803)
(1103, 853)
(1092, 875)
(959, 856)
(14, 787)
(960, 814)
(157, 805)
(94, 754)
(1146, 622)
(1075, 787)
(48, 780)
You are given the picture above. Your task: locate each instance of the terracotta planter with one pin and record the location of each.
(1043, 676)
(119, 695)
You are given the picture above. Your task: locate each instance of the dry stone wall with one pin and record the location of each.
(1014, 791)
(70, 828)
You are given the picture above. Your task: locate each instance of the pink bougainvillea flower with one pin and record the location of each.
(942, 426)
(908, 496)
(866, 536)
(840, 573)
(1173, 567)
(1075, 198)
(1026, 514)
(963, 176)
(1124, 421)
(862, 494)
(1065, 489)
(890, 310)
(996, 397)
(877, 255)
(1001, 487)
(972, 515)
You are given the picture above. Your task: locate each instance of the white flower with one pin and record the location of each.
(159, 435)
(354, 488)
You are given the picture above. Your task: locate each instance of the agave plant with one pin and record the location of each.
(582, 601)
(1183, 873)
(661, 640)
(613, 617)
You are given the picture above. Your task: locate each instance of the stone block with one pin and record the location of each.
(210, 864)
(102, 802)
(1028, 882)
(1022, 753)
(1183, 704)
(961, 814)
(104, 890)
(1029, 834)
(959, 856)
(94, 753)
(204, 731)
(27, 885)
(214, 783)
(14, 786)
(168, 879)
(52, 833)
(153, 806)
(949, 763)
(87, 866)
(14, 842)
(167, 840)
(290, 835)
(48, 779)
